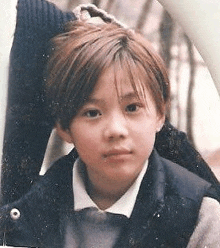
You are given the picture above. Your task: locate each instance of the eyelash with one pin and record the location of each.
(137, 107)
(90, 113)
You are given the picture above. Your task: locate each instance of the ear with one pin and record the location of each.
(64, 134)
(160, 122)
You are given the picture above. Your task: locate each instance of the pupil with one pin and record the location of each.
(132, 107)
(93, 113)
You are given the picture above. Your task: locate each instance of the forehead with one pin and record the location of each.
(124, 84)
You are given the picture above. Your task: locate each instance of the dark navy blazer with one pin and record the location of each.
(165, 213)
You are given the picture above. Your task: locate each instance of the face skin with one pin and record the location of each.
(114, 134)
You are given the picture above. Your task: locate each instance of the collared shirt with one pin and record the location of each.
(206, 233)
(123, 206)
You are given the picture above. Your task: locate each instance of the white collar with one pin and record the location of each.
(123, 206)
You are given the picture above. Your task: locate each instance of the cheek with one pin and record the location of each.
(84, 139)
(145, 135)
(146, 126)
(147, 138)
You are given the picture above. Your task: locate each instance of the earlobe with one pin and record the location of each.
(160, 123)
(64, 134)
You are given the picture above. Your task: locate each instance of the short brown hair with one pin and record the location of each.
(80, 55)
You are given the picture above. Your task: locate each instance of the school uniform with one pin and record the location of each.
(166, 212)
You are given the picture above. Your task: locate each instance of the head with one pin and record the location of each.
(109, 93)
(79, 57)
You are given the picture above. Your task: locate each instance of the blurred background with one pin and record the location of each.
(195, 107)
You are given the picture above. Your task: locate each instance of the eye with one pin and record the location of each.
(134, 107)
(92, 113)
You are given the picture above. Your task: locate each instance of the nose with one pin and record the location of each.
(116, 127)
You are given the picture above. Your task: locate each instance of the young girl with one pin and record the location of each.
(108, 93)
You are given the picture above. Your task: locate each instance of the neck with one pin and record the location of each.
(106, 195)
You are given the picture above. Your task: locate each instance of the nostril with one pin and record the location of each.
(116, 129)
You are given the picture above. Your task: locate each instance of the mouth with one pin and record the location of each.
(117, 154)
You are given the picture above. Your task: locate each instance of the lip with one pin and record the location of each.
(117, 154)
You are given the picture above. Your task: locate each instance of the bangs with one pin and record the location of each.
(128, 70)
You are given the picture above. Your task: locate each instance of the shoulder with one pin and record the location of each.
(207, 231)
(50, 187)
(179, 194)
(36, 214)
(182, 181)
(56, 183)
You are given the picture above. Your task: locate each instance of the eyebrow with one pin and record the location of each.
(131, 95)
(95, 100)
(127, 96)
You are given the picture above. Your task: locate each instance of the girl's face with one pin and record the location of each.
(114, 132)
